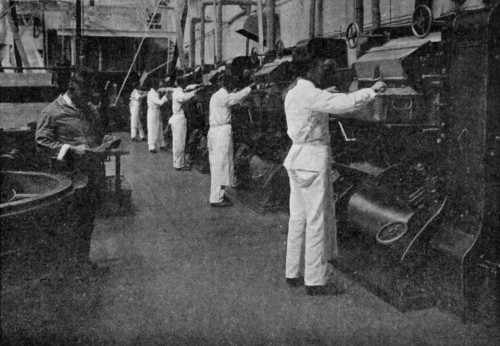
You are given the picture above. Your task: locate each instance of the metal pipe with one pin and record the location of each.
(359, 13)
(261, 26)
(204, 4)
(318, 29)
(271, 34)
(376, 14)
(3, 30)
(99, 56)
(312, 18)
(218, 31)
(45, 42)
(78, 36)
(192, 40)
(202, 36)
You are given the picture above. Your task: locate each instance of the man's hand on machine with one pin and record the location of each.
(379, 87)
(200, 87)
(333, 89)
(193, 87)
(79, 149)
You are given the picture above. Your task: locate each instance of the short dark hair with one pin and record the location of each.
(83, 80)
(181, 81)
(228, 81)
(313, 66)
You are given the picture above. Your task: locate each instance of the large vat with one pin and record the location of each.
(32, 203)
(27, 192)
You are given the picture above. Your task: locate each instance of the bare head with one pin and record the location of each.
(80, 88)
(321, 73)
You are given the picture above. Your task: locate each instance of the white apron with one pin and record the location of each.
(220, 151)
(155, 129)
(179, 126)
(135, 121)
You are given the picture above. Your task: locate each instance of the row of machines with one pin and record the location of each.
(416, 172)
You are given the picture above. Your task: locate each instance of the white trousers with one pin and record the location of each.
(312, 232)
(155, 129)
(135, 122)
(220, 155)
(217, 193)
(179, 141)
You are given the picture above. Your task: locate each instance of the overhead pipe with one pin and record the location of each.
(78, 36)
(376, 21)
(271, 34)
(318, 28)
(359, 13)
(260, 25)
(315, 18)
(312, 18)
(192, 40)
(204, 4)
(218, 53)
(3, 30)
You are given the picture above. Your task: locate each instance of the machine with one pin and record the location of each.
(418, 171)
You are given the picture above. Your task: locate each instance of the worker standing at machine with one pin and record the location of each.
(220, 140)
(179, 124)
(135, 113)
(312, 237)
(71, 132)
(155, 125)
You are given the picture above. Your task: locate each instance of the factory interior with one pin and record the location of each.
(237, 172)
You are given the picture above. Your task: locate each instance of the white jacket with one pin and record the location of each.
(220, 113)
(154, 100)
(135, 98)
(307, 109)
(179, 97)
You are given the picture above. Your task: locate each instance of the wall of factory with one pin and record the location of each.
(294, 21)
(111, 20)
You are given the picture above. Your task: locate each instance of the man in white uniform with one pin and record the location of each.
(135, 111)
(311, 230)
(155, 126)
(179, 124)
(220, 140)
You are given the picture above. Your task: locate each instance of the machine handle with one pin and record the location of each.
(347, 139)
(250, 116)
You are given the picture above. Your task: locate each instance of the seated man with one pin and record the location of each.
(70, 129)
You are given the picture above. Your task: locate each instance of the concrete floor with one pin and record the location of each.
(183, 273)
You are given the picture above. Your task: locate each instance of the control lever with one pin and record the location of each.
(378, 103)
(250, 116)
(347, 139)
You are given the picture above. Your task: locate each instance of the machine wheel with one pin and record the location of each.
(352, 35)
(421, 21)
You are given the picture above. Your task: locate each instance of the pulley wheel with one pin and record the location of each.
(352, 35)
(421, 21)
